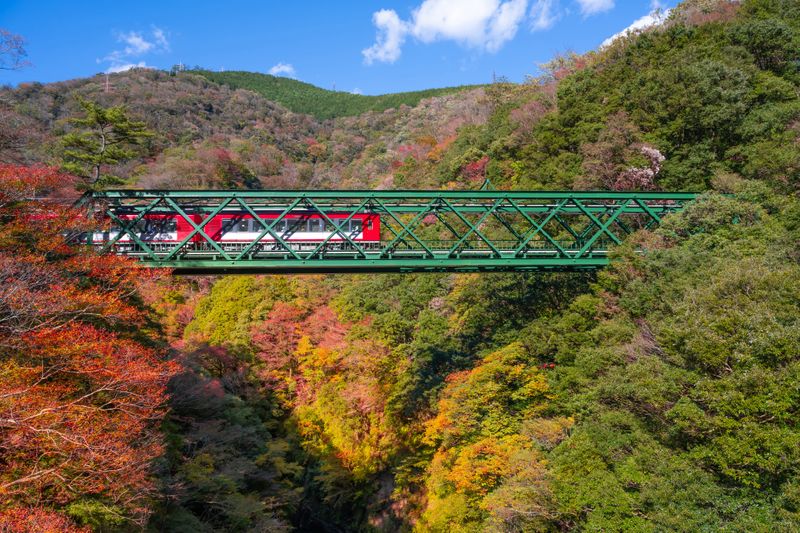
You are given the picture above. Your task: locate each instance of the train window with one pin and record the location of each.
(240, 225)
(355, 225)
(328, 227)
(163, 225)
(369, 223)
(282, 226)
(228, 225)
(141, 226)
(314, 225)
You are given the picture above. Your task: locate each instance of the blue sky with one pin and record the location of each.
(371, 47)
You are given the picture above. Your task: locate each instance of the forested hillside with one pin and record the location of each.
(207, 135)
(323, 104)
(657, 395)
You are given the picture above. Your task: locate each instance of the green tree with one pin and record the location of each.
(102, 138)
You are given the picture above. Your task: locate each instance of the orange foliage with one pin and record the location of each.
(479, 467)
(37, 520)
(19, 183)
(80, 397)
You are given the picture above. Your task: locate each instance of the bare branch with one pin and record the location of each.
(12, 51)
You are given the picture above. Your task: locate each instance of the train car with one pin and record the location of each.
(294, 227)
(150, 228)
(233, 230)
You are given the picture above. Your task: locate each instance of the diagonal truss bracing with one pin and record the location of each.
(420, 231)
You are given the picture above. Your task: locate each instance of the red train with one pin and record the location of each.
(235, 229)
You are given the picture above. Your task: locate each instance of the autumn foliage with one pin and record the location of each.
(80, 394)
(29, 519)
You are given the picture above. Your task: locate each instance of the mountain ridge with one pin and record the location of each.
(302, 97)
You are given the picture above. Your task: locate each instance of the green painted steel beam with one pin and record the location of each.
(394, 194)
(532, 209)
(377, 265)
(421, 231)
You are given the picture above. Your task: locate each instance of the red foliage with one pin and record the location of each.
(430, 219)
(18, 183)
(80, 397)
(324, 329)
(476, 171)
(276, 338)
(222, 155)
(564, 65)
(37, 520)
(418, 151)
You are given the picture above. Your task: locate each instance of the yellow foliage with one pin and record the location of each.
(490, 399)
(479, 481)
(480, 466)
(341, 417)
(304, 346)
(548, 432)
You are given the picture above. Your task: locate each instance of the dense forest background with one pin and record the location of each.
(659, 394)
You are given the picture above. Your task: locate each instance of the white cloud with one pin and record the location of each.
(543, 14)
(479, 23)
(137, 44)
(391, 36)
(503, 25)
(125, 66)
(283, 69)
(592, 7)
(482, 24)
(160, 38)
(654, 18)
(356, 91)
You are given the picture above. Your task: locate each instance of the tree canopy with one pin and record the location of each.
(104, 137)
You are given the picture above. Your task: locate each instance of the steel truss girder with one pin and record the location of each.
(421, 231)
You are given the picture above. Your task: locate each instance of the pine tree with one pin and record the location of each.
(104, 137)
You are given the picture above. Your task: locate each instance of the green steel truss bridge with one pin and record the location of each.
(420, 231)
